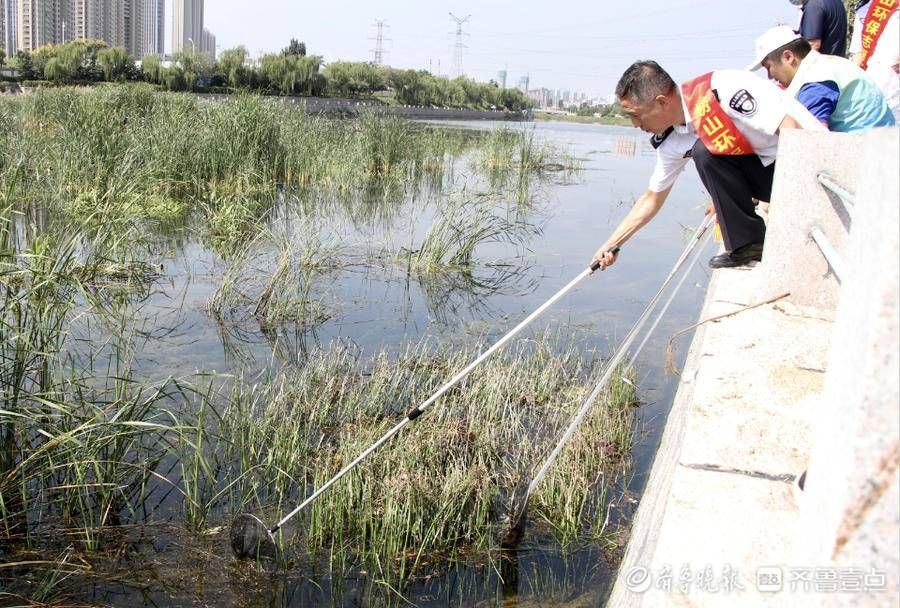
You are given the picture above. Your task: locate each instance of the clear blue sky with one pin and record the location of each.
(575, 45)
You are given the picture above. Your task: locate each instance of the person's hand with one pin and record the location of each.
(606, 256)
(710, 209)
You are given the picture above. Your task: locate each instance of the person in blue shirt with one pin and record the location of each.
(834, 90)
(824, 25)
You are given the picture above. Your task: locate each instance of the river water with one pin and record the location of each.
(373, 308)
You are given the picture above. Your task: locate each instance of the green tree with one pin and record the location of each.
(24, 63)
(292, 74)
(115, 63)
(231, 66)
(295, 48)
(196, 68)
(350, 79)
(152, 69)
(2, 57)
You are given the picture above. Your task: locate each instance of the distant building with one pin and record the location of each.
(154, 28)
(10, 41)
(135, 25)
(542, 97)
(501, 79)
(209, 43)
(35, 23)
(523, 84)
(144, 27)
(187, 25)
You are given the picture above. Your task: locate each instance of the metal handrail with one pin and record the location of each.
(847, 197)
(828, 252)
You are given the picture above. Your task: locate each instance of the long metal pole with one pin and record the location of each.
(415, 413)
(614, 361)
(668, 302)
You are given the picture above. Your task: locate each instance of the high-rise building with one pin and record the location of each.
(88, 19)
(154, 29)
(36, 23)
(523, 84)
(501, 79)
(3, 26)
(209, 43)
(187, 25)
(9, 41)
(136, 25)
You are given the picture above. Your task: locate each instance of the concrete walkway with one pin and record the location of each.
(719, 510)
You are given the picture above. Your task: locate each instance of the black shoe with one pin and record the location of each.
(739, 257)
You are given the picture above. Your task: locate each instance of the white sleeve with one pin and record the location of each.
(856, 38)
(668, 168)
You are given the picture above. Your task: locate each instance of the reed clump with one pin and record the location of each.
(129, 150)
(441, 487)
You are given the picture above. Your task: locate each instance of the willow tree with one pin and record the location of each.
(292, 74)
(115, 63)
(231, 66)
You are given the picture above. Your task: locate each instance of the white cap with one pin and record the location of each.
(772, 40)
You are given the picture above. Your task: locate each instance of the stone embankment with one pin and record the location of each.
(808, 382)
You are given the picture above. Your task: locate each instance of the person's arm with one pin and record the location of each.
(820, 98)
(812, 25)
(643, 211)
(788, 123)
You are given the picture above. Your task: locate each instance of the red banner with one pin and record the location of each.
(873, 27)
(714, 127)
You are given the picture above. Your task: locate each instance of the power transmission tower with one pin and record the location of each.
(459, 46)
(378, 51)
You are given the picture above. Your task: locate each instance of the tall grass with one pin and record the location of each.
(131, 152)
(440, 488)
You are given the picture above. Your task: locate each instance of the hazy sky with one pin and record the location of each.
(573, 45)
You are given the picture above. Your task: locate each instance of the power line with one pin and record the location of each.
(459, 46)
(378, 51)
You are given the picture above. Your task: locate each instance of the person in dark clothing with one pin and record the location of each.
(824, 25)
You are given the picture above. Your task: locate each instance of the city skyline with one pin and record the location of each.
(136, 25)
(554, 52)
(584, 47)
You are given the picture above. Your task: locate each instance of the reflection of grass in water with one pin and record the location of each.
(512, 159)
(272, 277)
(457, 230)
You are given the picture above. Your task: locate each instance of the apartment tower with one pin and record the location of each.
(187, 25)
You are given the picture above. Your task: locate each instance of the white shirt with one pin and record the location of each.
(881, 62)
(759, 108)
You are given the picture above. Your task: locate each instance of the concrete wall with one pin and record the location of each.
(850, 513)
(792, 261)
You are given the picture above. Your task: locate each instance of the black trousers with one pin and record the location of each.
(733, 182)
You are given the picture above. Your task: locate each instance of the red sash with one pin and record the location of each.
(873, 27)
(714, 127)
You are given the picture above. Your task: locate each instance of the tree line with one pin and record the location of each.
(290, 72)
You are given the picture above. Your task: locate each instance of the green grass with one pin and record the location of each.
(617, 121)
(130, 152)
